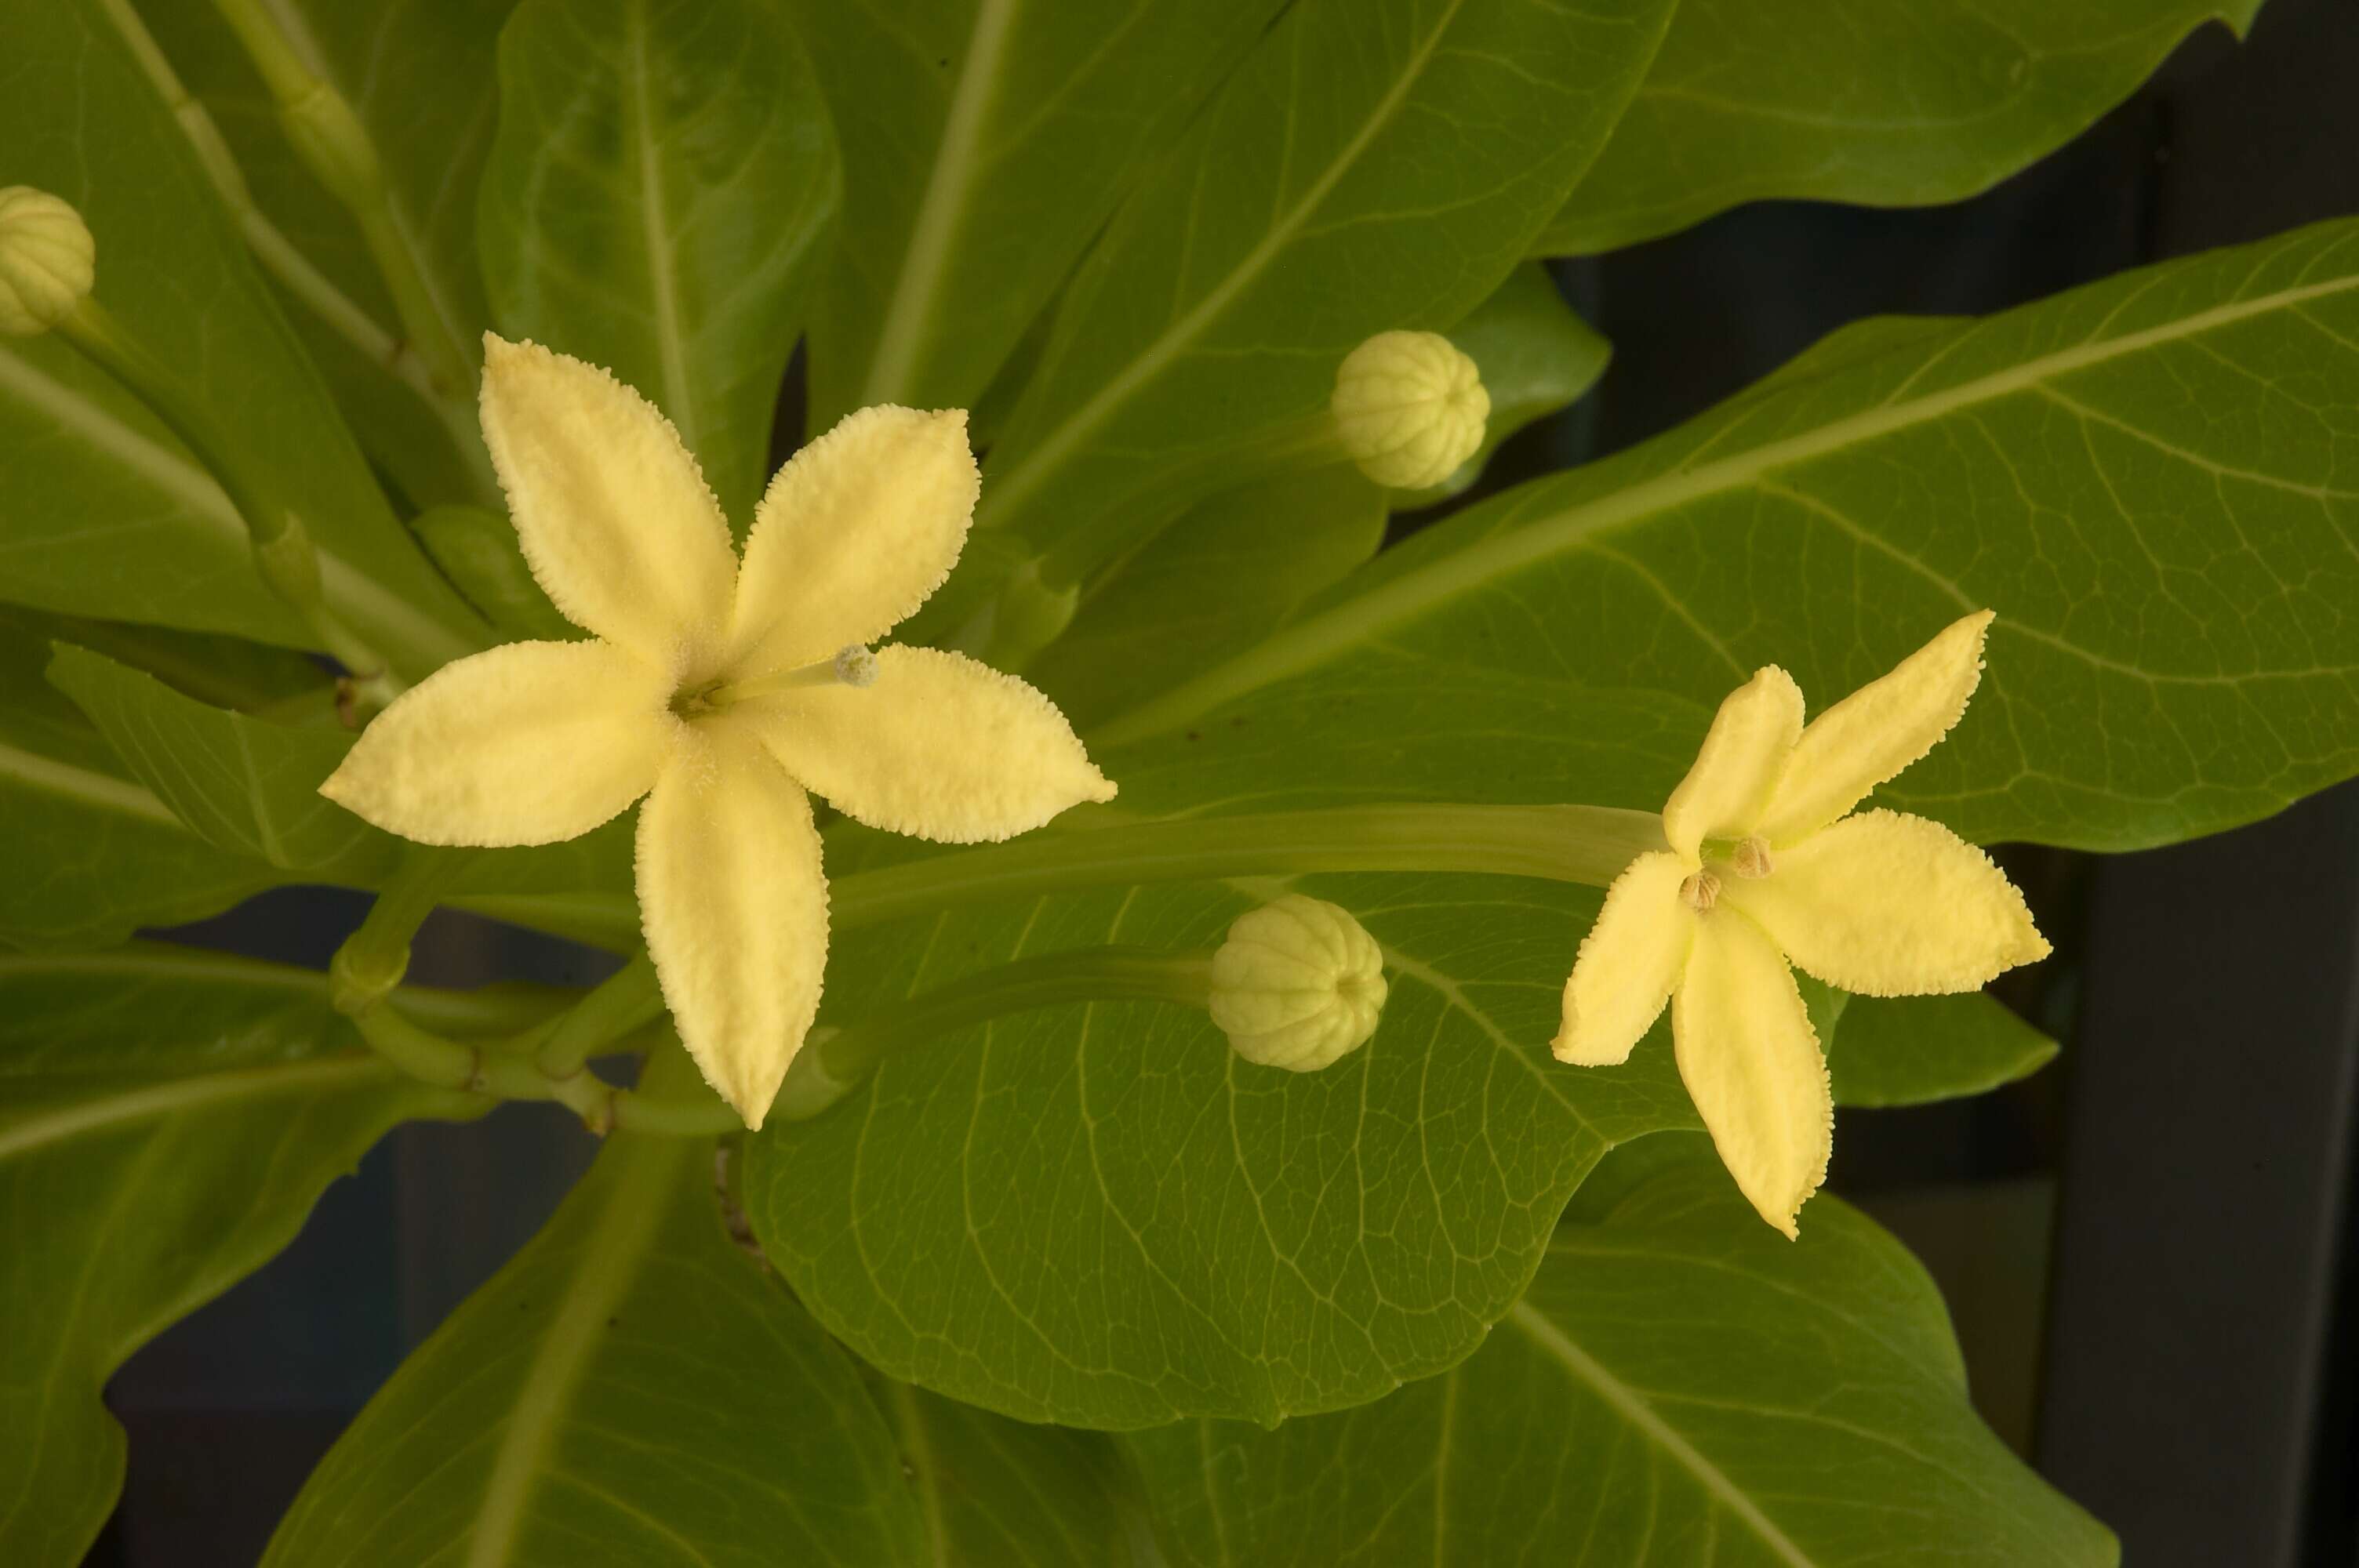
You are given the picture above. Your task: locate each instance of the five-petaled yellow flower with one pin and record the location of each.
(1766, 868)
(721, 690)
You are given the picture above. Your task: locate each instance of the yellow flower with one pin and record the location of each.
(721, 690)
(1768, 866)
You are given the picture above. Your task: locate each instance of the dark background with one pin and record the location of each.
(2146, 1246)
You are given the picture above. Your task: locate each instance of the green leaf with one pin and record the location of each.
(105, 514)
(664, 173)
(1215, 581)
(1101, 1216)
(984, 144)
(420, 77)
(1537, 357)
(242, 782)
(1412, 147)
(228, 672)
(2143, 478)
(167, 1120)
(1884, 106)
(93, 855)
(1680, 1384)
(629, 1390)
(1915, 1050)
(478, 551)
(1009, 1494)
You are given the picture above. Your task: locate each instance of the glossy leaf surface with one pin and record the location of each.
(1680, 1384)
(167, 1120)
(1856, 101)
(656, 201)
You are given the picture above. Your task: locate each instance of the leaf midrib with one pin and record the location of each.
(1560, 1346)
(1494, 556)
(1008, 492)
(916, 290)
(610, 1258)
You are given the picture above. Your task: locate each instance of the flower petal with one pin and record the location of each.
(1877, 732)
(1628, 964)
(940, 747)
(855, 533)
(1751, 1061)
(1887, 905)
(1737, 768)
(734, 903)
(614, 515)
(525, 744)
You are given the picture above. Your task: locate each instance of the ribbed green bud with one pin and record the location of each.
(1297, 985)
(1409, 408)
(46, 260)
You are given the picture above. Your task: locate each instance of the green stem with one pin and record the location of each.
(279, 256)
(622, 1003)
(283, 552)
(1586, 844)
(833, 1062)
(374, 958)
(333, 145)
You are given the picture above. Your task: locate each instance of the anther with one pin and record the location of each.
(1700, 892)
(1752, 859)
(855, 666)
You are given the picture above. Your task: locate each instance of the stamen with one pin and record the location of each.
(1752, 859)
(853, 666)
(1700, 892)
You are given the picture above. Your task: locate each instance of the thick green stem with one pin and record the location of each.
(374, 958)
(622, 1003)
(335, 145)
(283, 552)
(835, 1061)
(1586, 844)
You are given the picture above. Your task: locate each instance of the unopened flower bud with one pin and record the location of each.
(1297, 984)
(46, 260)
(1409, 408)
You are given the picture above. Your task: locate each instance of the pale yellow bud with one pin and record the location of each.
(1409, 407)
(46, 260)
(1297, 984)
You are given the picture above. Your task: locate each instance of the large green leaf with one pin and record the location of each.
(1373, 165)
(1099, 1214)
(629, 1390)
(655, 200)
(1916, 1049)
(984, 142)
(242, 782)
(2146, 478)
(1219, 578)
(93, 855)
(1680, 1385)
(167, 1120)
(997, 1493)
(105, 512)
(1860, 101)
(419, 74)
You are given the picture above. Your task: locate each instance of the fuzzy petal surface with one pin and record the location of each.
(525, 744)
(1872, 735)
(734, 903)
(615, 516)
(1751, 1063)
(1628, 963)
(854, 534)
(940, 747)
(1737, 768)
(1883, 903)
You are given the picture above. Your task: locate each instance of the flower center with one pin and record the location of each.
(1701, 891)
(1751, 859)
(853, 665)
